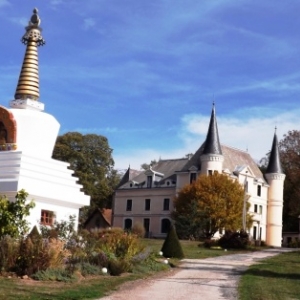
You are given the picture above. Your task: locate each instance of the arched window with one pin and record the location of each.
(165, 225)
(127, 224)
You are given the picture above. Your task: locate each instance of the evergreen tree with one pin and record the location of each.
(171, 246)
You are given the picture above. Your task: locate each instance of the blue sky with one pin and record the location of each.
(145, 73)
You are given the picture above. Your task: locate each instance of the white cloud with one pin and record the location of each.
(4, 3)
(56, 2)
(89, 23)
(241, 131)
(21, 21)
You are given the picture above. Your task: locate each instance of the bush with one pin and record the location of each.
(208, 243)
(54, 275)
(295, 243)
(234, 240)
(117, 267)
(38, 254)
(9, 251)
(139, 230)
(88, 269)
(171, 246)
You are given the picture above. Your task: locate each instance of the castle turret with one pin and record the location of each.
(275, 178)
(212, 157)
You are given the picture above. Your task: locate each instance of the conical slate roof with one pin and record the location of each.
(212, 142)
(274, 165)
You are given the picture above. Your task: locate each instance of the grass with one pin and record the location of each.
(274, 278)
(97, 286)
(11, 289)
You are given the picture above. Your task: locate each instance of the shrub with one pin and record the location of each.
(149, 264)
(123, 245)
(117, 267)
(234, 240)
(9, 251)
(138, 229)
(86, 268)
(37, 254)
(294, 243)
(171, 246)
(54, 275)
(208, 243)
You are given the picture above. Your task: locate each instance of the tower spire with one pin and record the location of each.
(212, 142)
(274, 165)
(27, 91)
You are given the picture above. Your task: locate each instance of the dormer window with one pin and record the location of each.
(149, 181)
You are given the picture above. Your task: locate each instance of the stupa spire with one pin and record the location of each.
(28, 84)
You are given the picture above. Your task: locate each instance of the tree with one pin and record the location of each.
(91, 159)
(13, 214)
(289, 148)
(146, 166)
(209, 204)
(171, 246)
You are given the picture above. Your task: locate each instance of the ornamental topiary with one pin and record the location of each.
(171, 246)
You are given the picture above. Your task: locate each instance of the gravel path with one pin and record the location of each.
(207, 279)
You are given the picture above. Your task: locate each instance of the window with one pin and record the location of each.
(260, 209)
(47, 217)
(165, 225)
(260, 232)
(129, 205)
(259, 190)
(193, 177)
(166, 204)
(127, 224)
(149, 181)
(255, 208)
(210, 172)
(147, 226)
(254, 232)
(147, 204)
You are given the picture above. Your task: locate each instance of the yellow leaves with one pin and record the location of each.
(216, 198)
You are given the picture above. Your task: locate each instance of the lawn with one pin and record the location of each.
(93, 287)
(274, 278)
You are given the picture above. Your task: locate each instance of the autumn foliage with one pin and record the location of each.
(209, 204)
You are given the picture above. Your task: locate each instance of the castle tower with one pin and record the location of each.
(275, 179)
(212, 157)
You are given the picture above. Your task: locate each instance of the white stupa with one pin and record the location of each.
(27, 139)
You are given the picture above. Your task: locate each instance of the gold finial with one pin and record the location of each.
(28, 84)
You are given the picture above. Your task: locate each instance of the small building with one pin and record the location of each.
(148, 197)
(28, 136)
(99, 219)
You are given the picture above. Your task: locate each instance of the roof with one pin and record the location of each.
(233, 158)
(129, 175)
(105, 213)
(274, 165)
(212, 142)
(164, 167)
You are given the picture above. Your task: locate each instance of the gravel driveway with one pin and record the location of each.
(210, 278)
